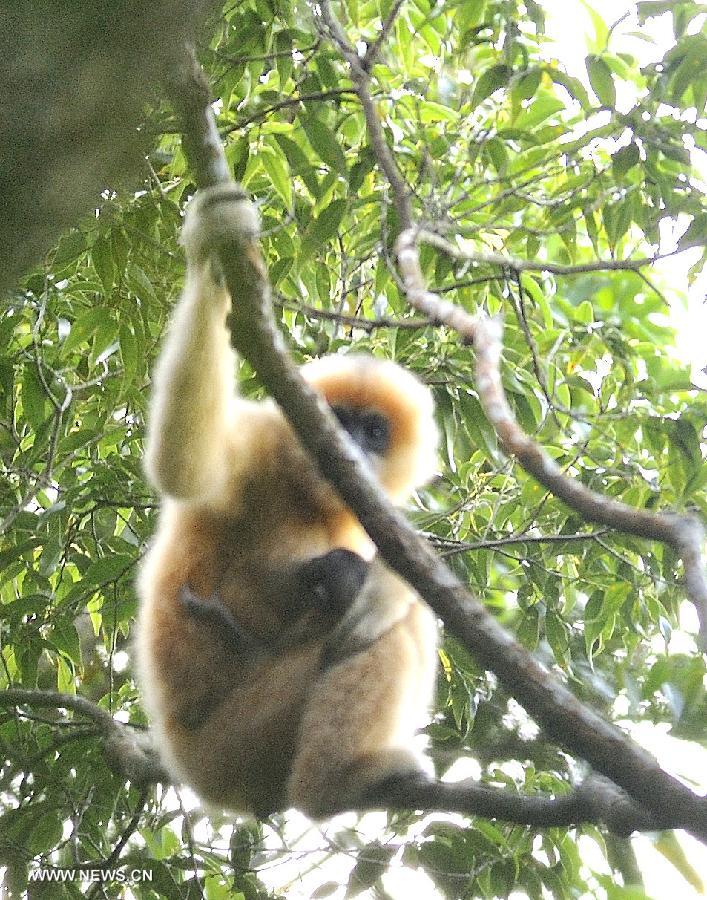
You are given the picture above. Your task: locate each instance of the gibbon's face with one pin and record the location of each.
(368, 428)
(387, 412)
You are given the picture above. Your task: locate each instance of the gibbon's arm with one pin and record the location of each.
(193, 389)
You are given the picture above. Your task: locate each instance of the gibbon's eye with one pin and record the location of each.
(370, 429)
(377, 430)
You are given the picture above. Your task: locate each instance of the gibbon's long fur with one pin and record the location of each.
(327, 704)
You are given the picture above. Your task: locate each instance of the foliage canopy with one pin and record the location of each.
(505, 151)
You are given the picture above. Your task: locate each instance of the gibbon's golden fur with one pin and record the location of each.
(279, 666)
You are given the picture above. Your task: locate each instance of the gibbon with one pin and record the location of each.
(280, 666)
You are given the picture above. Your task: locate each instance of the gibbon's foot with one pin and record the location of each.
(213, 614)
(377, 779)
(399, 787)
(331, 582)
(217, 214)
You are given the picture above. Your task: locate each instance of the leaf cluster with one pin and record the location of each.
(503, 150)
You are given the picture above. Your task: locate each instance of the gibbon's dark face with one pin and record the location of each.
(368, 428)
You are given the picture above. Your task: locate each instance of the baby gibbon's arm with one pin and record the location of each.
(384, 601)
(193, 389)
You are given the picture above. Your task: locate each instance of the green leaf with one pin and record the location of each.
(105, 340)
(366, 163)
(696, 233)
(65, 682)
(325, 890)
(107, 569)
(526, 86)
(299, 163)
(278, 171)
(572, 85)
(34, 397)
(497, 153)
(324, 227)
(64, 637)
(324, 143)
(139, 282)
(489, 81)
(283, 47)
(372, 863)
(556, 634)
(70, 247)
(647, 9)
(668, 845)
(543, 105)
(601, 80)
(47, 830)
(436, 112)
(128, 350)
(102, 258)
(624, 159)
(528, 632)
(584, 313)
(84, 328)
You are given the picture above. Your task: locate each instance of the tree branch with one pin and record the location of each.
(283, 104)
(352, 321)
(424, 236)
(454, 546)
(684, 533)
(126, 749)
(374, 49)
(595, 801)
(256, 337)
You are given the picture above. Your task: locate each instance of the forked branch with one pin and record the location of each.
(125, 748)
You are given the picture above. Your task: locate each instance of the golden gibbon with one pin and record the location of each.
(281, 663)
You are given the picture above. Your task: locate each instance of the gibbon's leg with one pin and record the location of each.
(193, 398)
(360, 720)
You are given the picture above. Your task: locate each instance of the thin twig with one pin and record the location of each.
(371, 54)
(128, 831)
(353, 321)
(537, 265)
(493, 543)
(284, 104)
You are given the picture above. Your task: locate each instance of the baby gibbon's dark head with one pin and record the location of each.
(387, 411)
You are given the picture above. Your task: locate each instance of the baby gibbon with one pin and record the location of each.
(279, 666)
